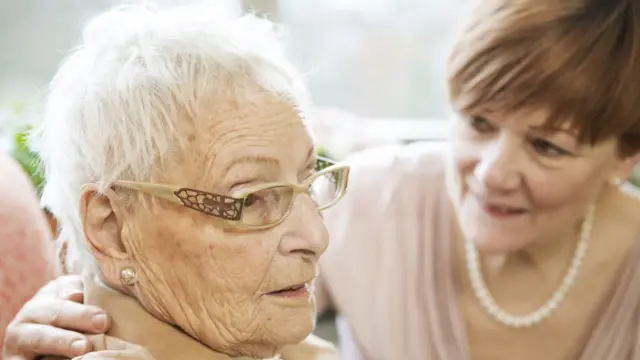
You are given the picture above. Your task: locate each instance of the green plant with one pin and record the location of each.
(27, 159)
(321, 151)
(635, 177)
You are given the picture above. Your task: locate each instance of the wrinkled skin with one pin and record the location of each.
(45, 326)
(215, 286)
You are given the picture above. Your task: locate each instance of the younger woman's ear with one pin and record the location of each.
(628, 164)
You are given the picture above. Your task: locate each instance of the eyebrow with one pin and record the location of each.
(251, 159)
(552, 130)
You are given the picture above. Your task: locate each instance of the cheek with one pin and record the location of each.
(220, 261)
(563, 189)
(238, 262)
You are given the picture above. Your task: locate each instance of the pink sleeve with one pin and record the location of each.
(374, 179)
(379, 235)
(323, 299)
(27, 260)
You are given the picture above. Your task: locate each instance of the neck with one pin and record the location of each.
(133, 324)
(548, 256)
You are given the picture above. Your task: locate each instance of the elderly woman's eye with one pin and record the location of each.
(250, 200)
(480, 124)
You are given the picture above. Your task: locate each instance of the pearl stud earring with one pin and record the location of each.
(128, 276)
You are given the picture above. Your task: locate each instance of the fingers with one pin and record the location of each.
(49, 324)
(30, 340)
(63, 287)
(65, 314)
(76, 297)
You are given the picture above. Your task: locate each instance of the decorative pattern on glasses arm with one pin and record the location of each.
(227, 207)
(221, 206)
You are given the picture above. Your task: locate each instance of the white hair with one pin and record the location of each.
(115, 103)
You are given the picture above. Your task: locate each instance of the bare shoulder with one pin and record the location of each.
(108, 347)
(629, 205)
(620, 217)
(631, 191)
(312, 348)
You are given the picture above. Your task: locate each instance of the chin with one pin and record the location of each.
(498, 244)
(494, 236)
(293, 327)
(272, 334)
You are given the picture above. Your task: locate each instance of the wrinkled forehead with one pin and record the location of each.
(267, 132)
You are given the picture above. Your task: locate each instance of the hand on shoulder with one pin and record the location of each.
(54, 322)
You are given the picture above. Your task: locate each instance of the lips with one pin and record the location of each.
(291, 288)
(499, 209)
(492, 204)
(502, 209)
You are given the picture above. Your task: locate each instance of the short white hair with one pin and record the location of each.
(114, 105)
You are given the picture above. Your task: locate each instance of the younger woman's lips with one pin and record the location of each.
(501, 212)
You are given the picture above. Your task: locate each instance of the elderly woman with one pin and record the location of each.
(180, 169)
(522, 240)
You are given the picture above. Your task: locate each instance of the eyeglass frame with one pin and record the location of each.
(232, 215)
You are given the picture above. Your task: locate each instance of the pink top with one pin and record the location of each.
(27, 261)
(389, 268)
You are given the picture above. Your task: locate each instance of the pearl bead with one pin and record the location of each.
(489, 304)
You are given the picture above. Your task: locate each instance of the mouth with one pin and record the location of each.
(500, 210)
(300, 290)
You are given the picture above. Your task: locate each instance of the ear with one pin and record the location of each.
(627, 165)
(102, 218)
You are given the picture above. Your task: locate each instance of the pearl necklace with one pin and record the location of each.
(488, 303)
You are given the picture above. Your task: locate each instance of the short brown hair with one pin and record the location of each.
(580, 59)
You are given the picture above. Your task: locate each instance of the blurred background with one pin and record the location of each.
(376, 68)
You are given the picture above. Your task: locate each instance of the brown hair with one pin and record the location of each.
(579, 59)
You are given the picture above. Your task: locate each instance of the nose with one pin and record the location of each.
(305, 232)
(498, 166)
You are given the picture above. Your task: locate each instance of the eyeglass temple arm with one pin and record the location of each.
(165, 192)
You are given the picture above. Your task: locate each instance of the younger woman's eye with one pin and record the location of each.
(480, 124)
(547, 148)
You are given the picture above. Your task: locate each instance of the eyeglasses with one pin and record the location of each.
(257, 207)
